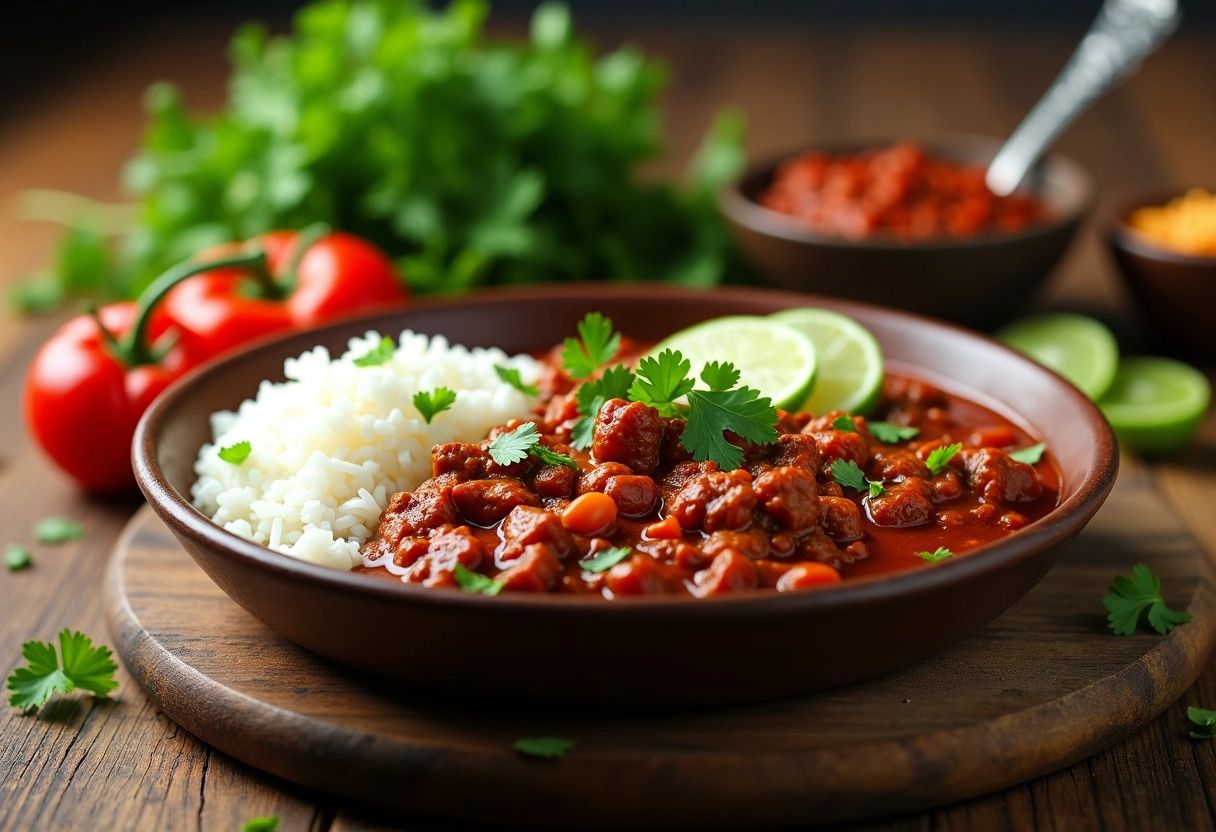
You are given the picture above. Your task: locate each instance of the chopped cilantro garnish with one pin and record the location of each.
(1130, 598)
(262, 824)
(1205, 719)
(57, 530)
(475, 582)
(743, 412)
(511, 376)
(431, 403)
(939, 458)
(16, 557)
(84, 666)
(720, 377)
(847, 474)
(664, 378)
(549, 748)
(845, 423)
(877, 489)
(605, 559)
(378, 354)
(889, 434)
(594, 347)
(582, 432)
(1030, 456)
(941, 553)
(613, 383)
(236, 453)
(512, 447)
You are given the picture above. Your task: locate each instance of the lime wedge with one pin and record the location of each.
(1077, 347)
(850, 361)
(1156, 404)
(771, 357)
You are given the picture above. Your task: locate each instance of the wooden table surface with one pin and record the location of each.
(85, 764)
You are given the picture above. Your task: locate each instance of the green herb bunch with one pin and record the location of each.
(471, 161)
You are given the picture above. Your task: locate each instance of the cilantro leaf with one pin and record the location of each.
(743, 412)
(940, 457)
(613, 383)
(57, 530)
(890, 434)
(720, 377)
(1030, 456)
(475, 582)
(236, 453)
(845, 423)
(511, 376)
(940, 553)
(1205, 719)
(877, 489)
(263, 824)
(605, 559)
(1130, 598)
(847, 474)
(431, 403)
(16, 557)
(548, 748)
(84, 666)
(662, 379)
(512, 447)
(378, 354)
(594, 347)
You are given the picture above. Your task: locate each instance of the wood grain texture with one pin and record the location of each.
(124, 765)
(1042, 686)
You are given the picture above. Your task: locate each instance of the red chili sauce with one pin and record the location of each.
(778, 522)
(898, 191)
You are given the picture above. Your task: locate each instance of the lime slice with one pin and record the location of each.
(850, 361)
(1077, 347)
(1156, 404)
(771, 357)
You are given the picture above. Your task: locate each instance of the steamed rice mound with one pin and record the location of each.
(336, 440)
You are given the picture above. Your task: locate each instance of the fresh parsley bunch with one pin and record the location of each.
(470, 160)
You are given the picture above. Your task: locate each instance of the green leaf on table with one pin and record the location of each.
(16, 557)
(1132, 598)
(1205, 720)
(84, 666)
(548, 748)
(268, 823)
(57, 530)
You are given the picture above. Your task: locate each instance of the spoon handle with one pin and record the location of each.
(1123, 34)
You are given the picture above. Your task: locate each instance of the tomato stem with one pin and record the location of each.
(300, 246)
(133, 349)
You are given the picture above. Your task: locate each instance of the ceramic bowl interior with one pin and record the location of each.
(646, 651)
(980, 281)
(1174, 292)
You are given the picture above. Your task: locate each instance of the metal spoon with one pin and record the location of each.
(1123, 34)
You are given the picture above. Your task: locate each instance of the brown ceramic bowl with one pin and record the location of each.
(979, 281)
(644, 651)
(1175, 292)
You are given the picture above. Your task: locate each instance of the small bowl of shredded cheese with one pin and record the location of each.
(1165, 249)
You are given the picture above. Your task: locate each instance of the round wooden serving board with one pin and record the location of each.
(1043, 686)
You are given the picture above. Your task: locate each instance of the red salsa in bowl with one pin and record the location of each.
(929, 477)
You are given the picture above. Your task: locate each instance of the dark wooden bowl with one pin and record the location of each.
(980, 281)
(644, 651)
(1175, 292)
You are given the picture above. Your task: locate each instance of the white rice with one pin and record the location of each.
(332, 444)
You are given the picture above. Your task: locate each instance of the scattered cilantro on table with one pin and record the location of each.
(548, 748)
(57, 530)
(1205, 721)
(16, 557)
(269, 823)
(515, 446)
(431, 403)
(84, 666)
(236, 453)
(511, 376)
(1131, 598)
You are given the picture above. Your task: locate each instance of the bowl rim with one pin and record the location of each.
(1057, 527)
(740, 208)
(1120, 234)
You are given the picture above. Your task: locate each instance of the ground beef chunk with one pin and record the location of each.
(752, 543)
(671, 452)
(789, 496)
(553, 481)
(637, 575)
(840, 444)
(716, 500)
(999, 476)
(525, 526)
(905, 503)
(534, 570)
(896, 463)
(840, 518)
(413, 514)
(729, 572)
(628, 432)
(634, 494)
(464, 460)
(597, 478)
(796, 449)
(485, 502)
(816, 545)
(448, 546)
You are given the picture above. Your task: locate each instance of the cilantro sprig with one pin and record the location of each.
(889, 433)
(431, 403)
(84, 666)
(595, 346)
(547, 748)
(1030, 456)
(511, 376)
(613, 383)
(940, 553)
(236, 453)
(847, 474)
(1131, 598)
(16, 557)
(378, 354)
(515, 446)
(268, 823)
(1205, 721)
(605, 559)
(939, 458)
(844, 422)
(475, 582)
